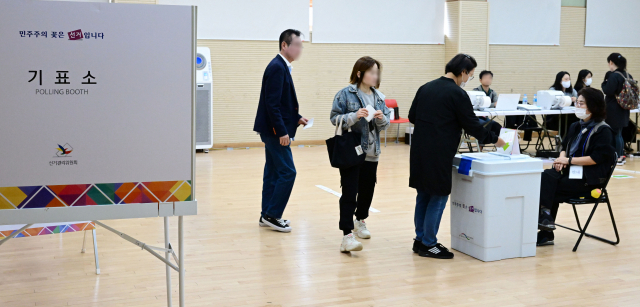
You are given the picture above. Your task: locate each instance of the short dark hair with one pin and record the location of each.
(461, 63)
(362, 65)
(595, 103)
(618, 59)
(486, 72)
(287, 36)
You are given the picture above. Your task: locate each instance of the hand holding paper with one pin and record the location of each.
(308, 125)
(510, 145)
(372, 112)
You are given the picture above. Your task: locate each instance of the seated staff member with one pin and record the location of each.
(439, 111)
(486, 79)
(589, 145)
(359, 182)
(585, 77)
(563, 84)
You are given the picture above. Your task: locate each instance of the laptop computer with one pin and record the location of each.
(507, 102)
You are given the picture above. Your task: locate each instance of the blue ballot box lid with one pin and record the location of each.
(489, 164)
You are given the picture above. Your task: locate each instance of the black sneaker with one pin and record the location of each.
(416, 246)
(262, 224)
(435, 251)
(545, 221)
(276, 224)
(544, 238)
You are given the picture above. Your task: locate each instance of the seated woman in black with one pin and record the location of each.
(588, 146)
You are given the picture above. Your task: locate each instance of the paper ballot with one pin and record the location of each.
(372, 112)
(309, 124)
(512, 147)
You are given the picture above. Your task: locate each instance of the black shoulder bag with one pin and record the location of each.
(345, 148)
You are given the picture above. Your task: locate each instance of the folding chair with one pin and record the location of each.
(392, 103)
(465, 138)
(604, 198)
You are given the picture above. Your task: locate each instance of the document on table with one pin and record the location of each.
(309, 124)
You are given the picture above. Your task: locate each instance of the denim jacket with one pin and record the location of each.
(347, 102)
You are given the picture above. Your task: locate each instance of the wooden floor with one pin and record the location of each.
(230, 261)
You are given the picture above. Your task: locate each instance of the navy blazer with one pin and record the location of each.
(278, 107)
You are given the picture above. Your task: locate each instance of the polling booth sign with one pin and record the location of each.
(97, 113)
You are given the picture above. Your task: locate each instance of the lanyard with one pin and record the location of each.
(585, 142)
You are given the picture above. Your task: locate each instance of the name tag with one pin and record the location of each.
(575, 172)
(359, 150)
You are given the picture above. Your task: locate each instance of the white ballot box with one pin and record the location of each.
(494, 209)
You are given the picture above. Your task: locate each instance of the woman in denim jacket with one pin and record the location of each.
(358, 182)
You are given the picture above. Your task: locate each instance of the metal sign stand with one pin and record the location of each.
(168, 250)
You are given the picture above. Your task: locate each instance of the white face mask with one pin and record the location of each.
(582, 113)
(588, 82)
(566, 84)
(463, 83)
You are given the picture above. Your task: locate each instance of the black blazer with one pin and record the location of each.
(617, 117)
(278, 107)
(440, 110)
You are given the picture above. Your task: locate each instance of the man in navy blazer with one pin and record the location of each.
(277, 120)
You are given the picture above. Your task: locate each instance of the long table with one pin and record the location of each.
(568, 110)
(532, 112)
(492, 113)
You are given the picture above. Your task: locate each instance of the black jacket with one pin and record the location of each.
(617, 117)
(600, 148)
(278, 107)
(440, 110)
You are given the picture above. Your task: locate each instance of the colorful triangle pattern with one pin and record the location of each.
(29, 197)
(46, 230)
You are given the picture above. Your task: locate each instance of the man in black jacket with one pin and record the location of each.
(276, 121)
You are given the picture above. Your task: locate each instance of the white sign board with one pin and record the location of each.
(612, 23)
(248, 19)
(378, 21)
(96, 106)
(524, 22)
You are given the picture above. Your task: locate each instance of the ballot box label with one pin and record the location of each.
(471, 209)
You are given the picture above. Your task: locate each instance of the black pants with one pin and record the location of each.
(357, 184)
(556, 187)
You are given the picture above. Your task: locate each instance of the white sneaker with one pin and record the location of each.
(350, 244)
(262, 224)
(361, 229)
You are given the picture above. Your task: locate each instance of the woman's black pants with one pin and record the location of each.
(358, 184)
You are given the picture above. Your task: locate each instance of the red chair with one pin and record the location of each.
(392, 103)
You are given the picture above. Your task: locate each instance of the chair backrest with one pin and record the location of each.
(613, 168)
(391, 103)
